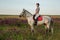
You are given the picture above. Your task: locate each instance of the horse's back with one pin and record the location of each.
(47, 17)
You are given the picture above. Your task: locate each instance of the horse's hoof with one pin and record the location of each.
(49, 30)
(32, 31)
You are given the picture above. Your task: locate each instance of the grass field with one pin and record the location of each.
(15, 28)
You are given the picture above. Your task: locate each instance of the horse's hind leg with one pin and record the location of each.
(46, 30)
(47, 27)
(52, 30)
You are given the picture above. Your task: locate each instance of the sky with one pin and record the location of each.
(15, 7)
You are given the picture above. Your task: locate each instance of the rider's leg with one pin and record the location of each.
(34, 17)
(35, 23)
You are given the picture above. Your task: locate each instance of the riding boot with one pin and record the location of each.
(35, 22)
(34, 17)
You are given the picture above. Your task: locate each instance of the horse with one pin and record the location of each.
(47, 20)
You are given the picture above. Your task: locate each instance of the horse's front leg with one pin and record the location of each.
(32, 28)
(30, 22)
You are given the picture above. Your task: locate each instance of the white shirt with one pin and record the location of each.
(37, 13)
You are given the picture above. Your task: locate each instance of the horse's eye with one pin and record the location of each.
(23, 11)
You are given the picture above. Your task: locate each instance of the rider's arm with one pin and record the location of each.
(36, 11)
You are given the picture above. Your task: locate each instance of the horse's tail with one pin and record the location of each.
(52, 25)
(52, 22)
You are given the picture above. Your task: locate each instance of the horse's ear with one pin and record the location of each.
(23, 9)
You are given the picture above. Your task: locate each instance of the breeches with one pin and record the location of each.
(36, 16)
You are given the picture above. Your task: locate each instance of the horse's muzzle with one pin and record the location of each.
(19, 15)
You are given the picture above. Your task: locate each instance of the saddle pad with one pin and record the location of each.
(40, 18)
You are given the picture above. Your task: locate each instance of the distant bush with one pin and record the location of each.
(12, 21)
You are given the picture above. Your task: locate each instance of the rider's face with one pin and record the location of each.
(37, 5)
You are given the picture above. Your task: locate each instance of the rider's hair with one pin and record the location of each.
(37, 4)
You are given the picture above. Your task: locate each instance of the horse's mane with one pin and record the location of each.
(27, 11)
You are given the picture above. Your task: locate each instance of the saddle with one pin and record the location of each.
(39, 18)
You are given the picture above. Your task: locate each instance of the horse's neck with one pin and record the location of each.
(28, 14)
(30, 18)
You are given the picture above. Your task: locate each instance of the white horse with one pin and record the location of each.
(46, 20)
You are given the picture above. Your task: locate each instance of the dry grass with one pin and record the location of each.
(22, 32)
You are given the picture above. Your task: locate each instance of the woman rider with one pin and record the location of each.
(36, 13)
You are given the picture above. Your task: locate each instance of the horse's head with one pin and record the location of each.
(25, 13)
(22, 13)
